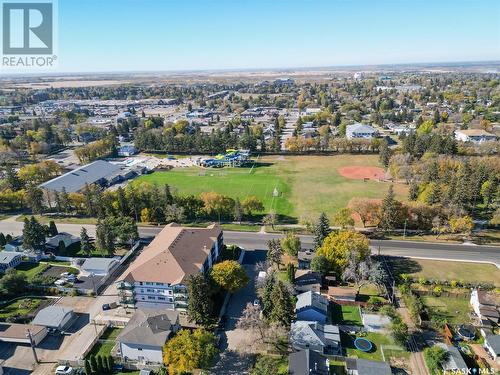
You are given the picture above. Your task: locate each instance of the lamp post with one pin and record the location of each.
(30, 338)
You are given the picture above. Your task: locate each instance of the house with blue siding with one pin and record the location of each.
(312, 307)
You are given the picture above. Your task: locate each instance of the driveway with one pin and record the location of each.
(231, 362)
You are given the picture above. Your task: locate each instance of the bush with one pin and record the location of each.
(375, 302)
(434, 357)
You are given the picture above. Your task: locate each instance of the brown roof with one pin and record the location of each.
(341, 292)
(18, 331)
(175, 253)
(487, 299)
(476, 132)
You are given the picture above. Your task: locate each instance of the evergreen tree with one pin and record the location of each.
(283, 309)
(65, 202)
(321, 230)
(122, 201)
(290, 272)
(265, 294)
(169, 199)
(33, 234)
(93, 364)
(111, 363)
(200, 301)
(389, 211)
(52, 228)
(34, 199)
(413, 191)
(3, 240)
(274, 252)
(85, 244)
(100, 236)
(12, 179)
(385, 153)
(87, 367)
(100, 364)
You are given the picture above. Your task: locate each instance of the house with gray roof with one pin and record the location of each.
(307, 281)
(75, 180)
(146, 333)
(307, 362)
(9, 259)
(98, 266)
(322, 338)
(311, 306)
(55, 317)
(492, 345)
(360, 131)
(455, 362)
(367, 367)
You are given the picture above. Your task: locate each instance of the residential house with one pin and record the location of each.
(312, 307)
(9, 259)
(322, 338)
(157, 277)
(455, 362)
(15, 245)
(485, 305)
(474, 136)
(146, 333)
(360, 131)
(99, 266)
(306, 281)
(305, 257)
(357, 366)
(68, 239)
(127, 151)
(307, 362)
(55, 317)
(492, 345)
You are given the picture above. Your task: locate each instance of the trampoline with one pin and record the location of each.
(467, 332)
(363, 344)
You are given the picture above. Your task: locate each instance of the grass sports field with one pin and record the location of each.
(306, 185)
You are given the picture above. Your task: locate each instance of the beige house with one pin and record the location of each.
(157, 277)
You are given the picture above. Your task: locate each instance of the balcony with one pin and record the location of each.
(124, 286)
(127, 300)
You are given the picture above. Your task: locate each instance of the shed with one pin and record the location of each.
(55, 317)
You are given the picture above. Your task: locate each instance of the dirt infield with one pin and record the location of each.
(360, 173)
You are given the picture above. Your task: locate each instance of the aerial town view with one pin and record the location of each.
(226, 187)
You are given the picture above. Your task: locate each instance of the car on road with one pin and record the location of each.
(64, 370)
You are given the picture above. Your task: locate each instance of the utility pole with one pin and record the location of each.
(404, 230)
(30, 338)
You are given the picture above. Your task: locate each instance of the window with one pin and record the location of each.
(159, 284)
(151, 297)
(170, 299)
(169, 292)
(150, 290)
(140, 349)
(161, 298)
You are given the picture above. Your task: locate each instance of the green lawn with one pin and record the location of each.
(453, 310)
(306, 185)
(111, 333)
(32, 269)
(443, 270)
(21, 307)
(343, 314)
(60, 219)
(379, 341)
(102, 348)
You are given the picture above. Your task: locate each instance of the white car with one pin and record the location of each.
(64, 370)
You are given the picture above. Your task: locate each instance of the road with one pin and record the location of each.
(254, 240)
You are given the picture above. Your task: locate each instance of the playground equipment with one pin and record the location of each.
(363, 344)
(232, 158)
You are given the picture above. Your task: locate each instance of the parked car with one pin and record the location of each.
(64, 370)
(106, 307)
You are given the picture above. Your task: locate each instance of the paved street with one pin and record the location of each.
(253, 240)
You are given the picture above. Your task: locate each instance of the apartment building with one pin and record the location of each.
(157, 277)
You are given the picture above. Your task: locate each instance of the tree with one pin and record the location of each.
(291, 244)
(357, 270)
(266, 365)
(200, 300)
(34, 199)
(33, 234)
(238, 211)
(367, 209)
(321, 230)
(274, 252)
(434, 357)
(12, 179)
(100, 364)
(111, 363)
(93, 364)
(251, 204)
(390, 211)
(88, 369)
(3, 241)
(462, 224)
(337, 248)
(52, 228)
(343, 218)
(385, 153)
(399, 331)
(13, 282)
(229, 275)
(378, 274)
(283, 308)
(85, 244)
(320, 264)
(413, 191)
(187, 351)
(290, 272)
(146, 215)
(104, 237)
(270, 219)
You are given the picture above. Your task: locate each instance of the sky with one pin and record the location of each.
(162, 35)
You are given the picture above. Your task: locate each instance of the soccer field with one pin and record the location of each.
(305, 185)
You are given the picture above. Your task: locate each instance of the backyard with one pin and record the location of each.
(23, 307)
(384, 347)
(454, 310)
(344, 314)
(303, 187)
